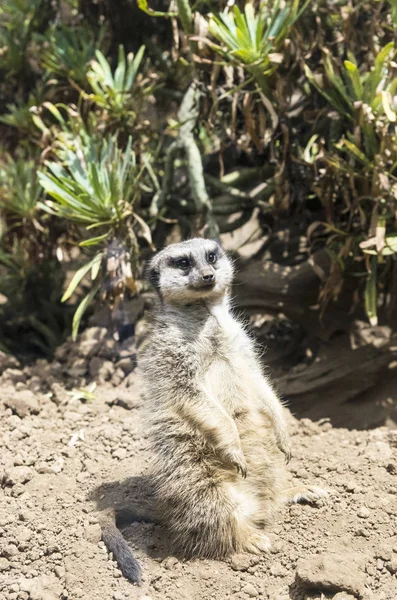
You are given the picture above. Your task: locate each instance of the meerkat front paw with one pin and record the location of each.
(237, 459)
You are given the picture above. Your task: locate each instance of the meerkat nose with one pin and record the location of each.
(208, 277)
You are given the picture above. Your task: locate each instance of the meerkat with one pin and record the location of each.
(218, 430)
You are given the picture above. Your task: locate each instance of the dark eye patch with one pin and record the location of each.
(182, 262)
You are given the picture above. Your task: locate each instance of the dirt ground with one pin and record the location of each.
(63, 454)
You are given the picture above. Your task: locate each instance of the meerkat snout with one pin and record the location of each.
(191, 271)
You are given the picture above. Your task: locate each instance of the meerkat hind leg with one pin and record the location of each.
(250, 538)
(301, 494)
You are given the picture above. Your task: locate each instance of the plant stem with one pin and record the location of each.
(186, 16)
(187, 116)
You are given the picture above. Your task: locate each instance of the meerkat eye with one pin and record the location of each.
(212, 257)
(182, 263)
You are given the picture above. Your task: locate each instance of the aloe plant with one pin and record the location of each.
(17, 18)
(113, 91)
(20, 190)
(254, 39)
(67, 52)
(96, 187)
(365, 99)
(361, 97)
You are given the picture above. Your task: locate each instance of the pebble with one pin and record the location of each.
(23, 403)
(392, 565)
(93, 533)
(250, 590)
(170, 562)
(277, 570)
(4, 564)
(363, 512)
(120, 453)
(240, 562)
(384, 551)
(10, 551)
(17, 475)
(334, 572)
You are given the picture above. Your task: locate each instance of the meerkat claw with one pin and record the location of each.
(241, 470)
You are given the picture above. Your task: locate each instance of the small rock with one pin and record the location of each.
(7, 362)
(34, 384)
(18, 475)
(117, 377)
(18, 461)
(240, 562)
(60, 571)
(23, 403)
(120, 453)
(277, 570)
(97, 334)
(363, 512)
(43, 468)
(4, 564)
(127, 400)
(93, 533)
(127, 364)
(250, 590)
(89, 348)
(343, 596)
(17, 490)
(14, 376)
(100, 369)
(78, 368)
(118, 596)
(59, 394)
(392, 565)
(333, 572)
(170, 562)
(384, 551)
(378, 452)
(44, 587)
(204, 573)
(24, 535)
(10, 551)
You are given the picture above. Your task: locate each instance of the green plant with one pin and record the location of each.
(363, 98)
(20, 190)
(32, 319)
(97, 186)
(255, 39)
(116, 93)
(17, 21)
(67, 52)
(366, 162)
(20, 115)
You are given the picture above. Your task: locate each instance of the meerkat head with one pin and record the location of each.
(191, 271)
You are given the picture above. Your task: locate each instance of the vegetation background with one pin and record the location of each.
(270, 124)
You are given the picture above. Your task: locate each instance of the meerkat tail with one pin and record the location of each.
(110, 520)
(117, 545)
(304, 494)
